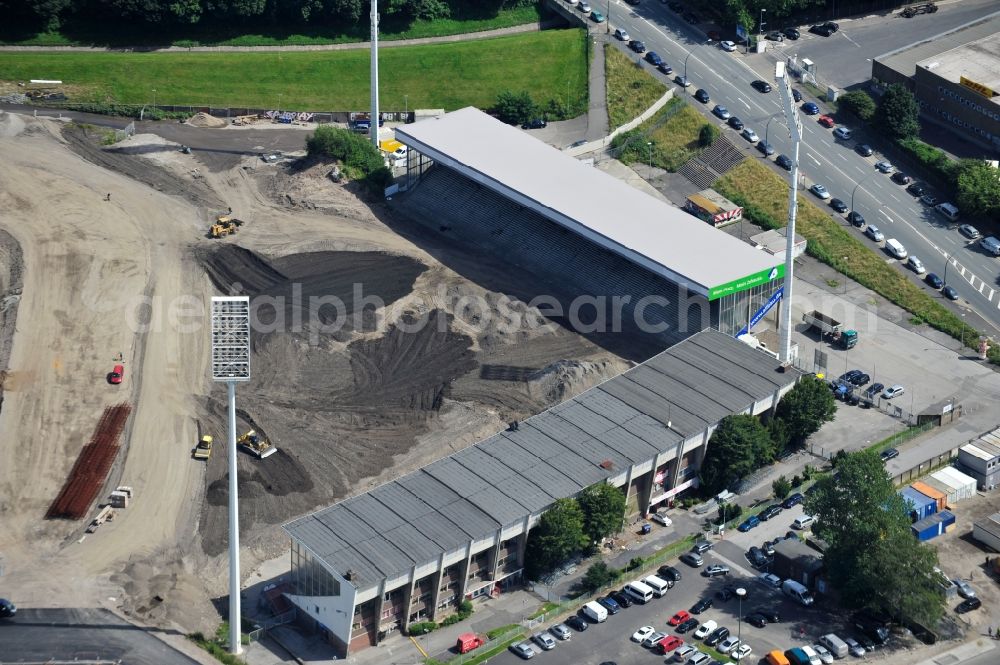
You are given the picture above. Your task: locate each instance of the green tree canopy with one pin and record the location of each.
(872, 558)
(603, 507)
(978, 186)
(805, 408)
(897, 113)
(597, 576)
(515, 108)
(858, 102)
(739, 446)
(781, 487)
(557, 536)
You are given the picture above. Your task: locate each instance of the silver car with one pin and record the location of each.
(856, 649)
(544, 640)
(964, 590)
(523, 649)
(561, 631)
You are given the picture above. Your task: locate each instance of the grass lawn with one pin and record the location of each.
(673, 131)
(549, 64)
(630, 88)
(469, 18)
(764, 197)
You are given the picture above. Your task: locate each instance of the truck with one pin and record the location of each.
(204, 448)
(595, 612)
(469, 641)
(829, 326)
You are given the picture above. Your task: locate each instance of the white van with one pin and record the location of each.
(658, 586)
(834, 644)
(810, 653)
(916, 265)
(797, 591)
(803, 522)
(595, 612)
(948, 211)
(639, 592)
(895, 248)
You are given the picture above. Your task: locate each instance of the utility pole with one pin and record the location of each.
(374, 82)
(794, 124)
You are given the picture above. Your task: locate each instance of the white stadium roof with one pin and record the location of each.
(654, 234)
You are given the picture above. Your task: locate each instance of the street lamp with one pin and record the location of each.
(860, 182)
(740, 592)
(607, 21)
(689, 55)
(762, 10)
(947, 260)
(768, 125)
(154, 98)
(649, 147)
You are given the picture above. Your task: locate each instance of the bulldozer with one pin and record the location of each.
(225, 225)
(204, 448)
(255, 444)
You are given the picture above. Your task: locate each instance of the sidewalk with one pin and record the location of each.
(597, 109)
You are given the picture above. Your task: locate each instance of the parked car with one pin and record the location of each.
(929, 199)
(824, 29)
(664, 68)
(888, 454)
(717, 636)
(969, 231)
(584, 6)
(680, 617)
(577, 623)
(873, 232)
(864, 150)
(523, 649)
(682, 81)
(826, 121)
(874, 389)
(7, 609)
(749, 135)
(969, 605)
(662, 520)
(775, 36)
(701, 546)
(856, 649)
(669, 573)
(770, 615)
(561, 631)
(933, 281)
(838, 205)
(792, 500)
(692, 559)
(770, 580)
(842, 133)
(756, 557)
(916, 188)
(706, 629)
(741, 652)
(728, 644)
(756, 619)
(856, 218)
(791, 33)
(949, 292)
(915, 264)
(117, 374)
(765, 148)
(621, 598)
(964, 589)
(820, 191)
(727, 46)
(735, 123)
(642, 633)
(769, 512)
(701, 95)
(721, 112)
(653, 639)
(683, 653)
(883, 166)
(901, 178)
(610, 605)
(893, 391)
(653, 58)
(690, 624)
(637, 45)
(597, 17)
(622, 34)
(784, 161)
(749, 523)
(761, 86)
(809, 108)
(715, 570)
(537, 123)
(796, 95)
(544, 640)
(701, 605)
(860, 379)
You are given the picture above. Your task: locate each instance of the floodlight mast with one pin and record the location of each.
(230, 364)
(795, 129)
(374, 82)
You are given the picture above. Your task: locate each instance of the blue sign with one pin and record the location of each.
(772, 301)
(741, 32)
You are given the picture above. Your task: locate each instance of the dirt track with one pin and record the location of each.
(347, 405)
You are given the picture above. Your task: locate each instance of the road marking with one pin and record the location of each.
(419, 648)
(842, 157)
(809, 155)
(990, 297)
(886, 215)
(744, 103)
(850, 40)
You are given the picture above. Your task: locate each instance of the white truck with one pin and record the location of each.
(595, 612)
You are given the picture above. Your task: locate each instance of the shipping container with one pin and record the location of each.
(947, 519)
(940, 497)
(933, 482)
(920, 505)
(930, 527)
(964, 486)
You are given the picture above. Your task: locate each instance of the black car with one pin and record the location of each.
(838, 205)
(765, 148)
(690, 624)
(793, 500)
(664, 68)
(770, 512)
(873, 626)
(917, 188)
(767, 547)
(860, 379)
(950, 293)
(7, 609)
(610, 605)
(761, 86)
(756, 557)
(735, 123)
(701, 95)
(717, 636)
(866, 642)
(874, 389)
(757, 620)
(725, 594)
(969, 605)
(622, 599)
(577, 622)
(537, 123)
(864, 150)
(637, 46)
(701, 605)
(770, 615)
(796, 95)
(900, 178)
(824, 29)
(856, 218)
(653, 58)
(934, 281)
(791, 33)
(784, 161)
(669, 573)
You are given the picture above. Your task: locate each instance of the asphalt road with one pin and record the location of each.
(610, 641)
(40, 635)
(823, 159)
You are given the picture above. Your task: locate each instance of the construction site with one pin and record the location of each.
(371, 356)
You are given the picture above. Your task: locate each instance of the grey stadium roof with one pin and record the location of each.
(904, 60)
(646, 230)
(500, 480)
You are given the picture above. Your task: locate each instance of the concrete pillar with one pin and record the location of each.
(523, 542)
(495, 554)
(465, 572)
(408, 597)
(437, 586)
(379, 607)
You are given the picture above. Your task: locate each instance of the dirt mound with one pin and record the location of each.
(10, 124)
(205, 120)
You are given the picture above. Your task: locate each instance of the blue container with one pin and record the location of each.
(928, 528)
(921, 506)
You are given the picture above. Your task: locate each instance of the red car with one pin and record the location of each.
(679, 618)
(668, 644)
(116, 374)
(826, 121)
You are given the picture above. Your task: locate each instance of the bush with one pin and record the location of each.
(636, 562)
(729, 512)
(859, 103)
(597, 576)
(781, 487)
(707, 135)
(361, 160)
(808, 472)
(796, 481)
(941, 167)
(515, 108)
(422, 627)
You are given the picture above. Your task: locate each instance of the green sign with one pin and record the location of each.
(748, 282)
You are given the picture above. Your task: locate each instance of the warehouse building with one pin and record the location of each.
(955, 78)
(411, 549)
(489, 188)
(981, 459)
(795, 560)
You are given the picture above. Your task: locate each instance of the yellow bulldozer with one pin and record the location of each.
(256, 445)
(225, 225)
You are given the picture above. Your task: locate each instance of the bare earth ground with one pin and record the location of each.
(347, 408)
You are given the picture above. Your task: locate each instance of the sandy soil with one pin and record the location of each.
(346, 407)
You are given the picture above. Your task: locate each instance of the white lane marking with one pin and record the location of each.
(842, 157)
(886, 215)
(744, 103)
(809, 155)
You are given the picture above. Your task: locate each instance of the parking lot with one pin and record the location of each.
(610, 641)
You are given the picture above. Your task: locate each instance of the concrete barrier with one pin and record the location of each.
(631, 124)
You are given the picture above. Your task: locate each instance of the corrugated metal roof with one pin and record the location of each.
(954, 477)
(990, 525)
(500, 480)
(976, 451)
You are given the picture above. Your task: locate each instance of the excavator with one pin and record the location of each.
(225, 225)
(255, 444)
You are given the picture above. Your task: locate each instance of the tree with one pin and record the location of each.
(805, 408)
(707, 135)
(781, 487)
(978, 186)
(898, 114)
(515, 108)
(603, 507)
(597, 576)
(858, 102)
(739, 446)
(558, 535)
(777, 429)
(871, 556)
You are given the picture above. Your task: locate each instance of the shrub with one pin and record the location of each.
(781, 487)
(936, 161)
(361, 160)
(729, 512)
(515, 108)
(598, 575)
(859, 103)
(634, 563)
(796, 481)
(422, 627)
(707, 135)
